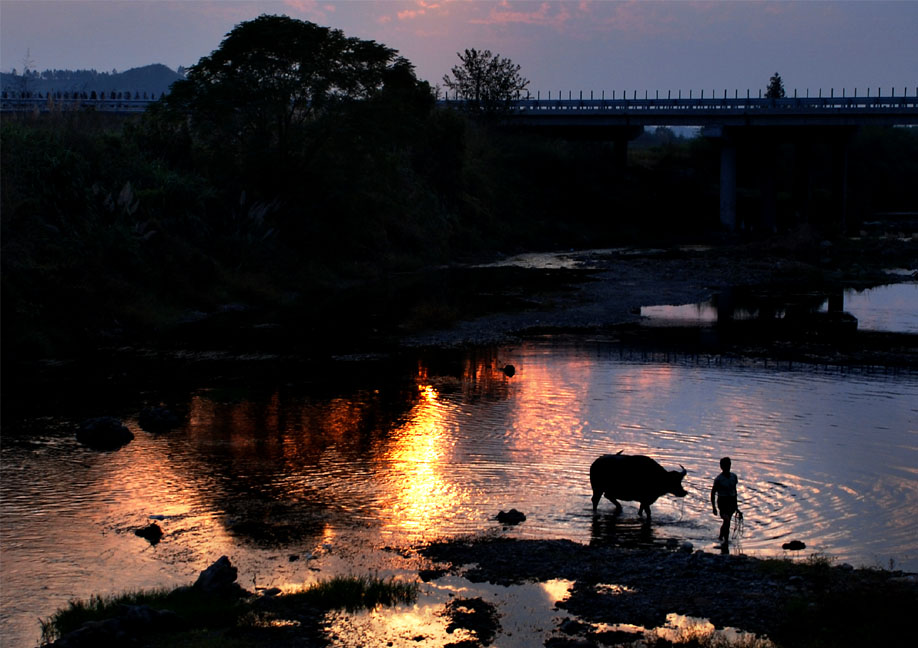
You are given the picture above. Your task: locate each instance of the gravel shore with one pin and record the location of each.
(793, 601)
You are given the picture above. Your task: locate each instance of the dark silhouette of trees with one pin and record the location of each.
(274, 74)
(775, 88)
(485, 80)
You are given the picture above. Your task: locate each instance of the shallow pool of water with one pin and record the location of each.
(296, 482)
(891, 308)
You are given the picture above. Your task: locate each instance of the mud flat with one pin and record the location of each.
(799, 601)
(603, 291)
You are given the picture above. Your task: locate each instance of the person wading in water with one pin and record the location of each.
(723, 497)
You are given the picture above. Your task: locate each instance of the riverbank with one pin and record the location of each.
(606, 289)
(616, 596)
(498, 303)
(809, 602)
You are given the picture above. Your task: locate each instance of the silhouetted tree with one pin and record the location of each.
(275, 73)
(775, 88)
(485, 80)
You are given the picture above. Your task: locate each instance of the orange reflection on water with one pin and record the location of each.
(548, 405)
(419, 493)
(286, 432)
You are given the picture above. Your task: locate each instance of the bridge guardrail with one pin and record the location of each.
(50, 104)
(603, 106)
(724, 105)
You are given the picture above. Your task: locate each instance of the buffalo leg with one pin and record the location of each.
(644, 507)
(618, 507)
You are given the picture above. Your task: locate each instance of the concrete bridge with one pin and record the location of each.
(735, 122)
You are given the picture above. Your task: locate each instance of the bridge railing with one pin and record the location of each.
(655, 105)
(725, 105)
(50, 104)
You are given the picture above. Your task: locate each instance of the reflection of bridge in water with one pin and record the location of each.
(736, 123)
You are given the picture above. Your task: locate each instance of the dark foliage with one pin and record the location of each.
(486, 81)
(149, 81)
(775, 89)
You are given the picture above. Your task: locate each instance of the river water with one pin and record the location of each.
(309, 476)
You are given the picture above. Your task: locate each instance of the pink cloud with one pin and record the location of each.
(548, 13)
(312, 8)
(422, 8)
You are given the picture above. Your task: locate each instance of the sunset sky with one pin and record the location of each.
(576, 45)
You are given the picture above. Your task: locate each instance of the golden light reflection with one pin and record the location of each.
(680, 628)
(288, 433)
(603, 588)
(541, 414)
(420, 495)
(400, 626)
(557, 589)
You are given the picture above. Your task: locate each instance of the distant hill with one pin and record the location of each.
(150, 80)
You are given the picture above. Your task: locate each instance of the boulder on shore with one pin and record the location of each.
(104, 433)
(218, 579)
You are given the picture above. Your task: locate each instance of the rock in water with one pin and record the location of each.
(511, 517)
(219, 578)
(104, 433)
(152, 533)
(793, 545)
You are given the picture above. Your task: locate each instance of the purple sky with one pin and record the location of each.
(577, 45)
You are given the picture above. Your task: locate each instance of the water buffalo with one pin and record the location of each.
(634, 478)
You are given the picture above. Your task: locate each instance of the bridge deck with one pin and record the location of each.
(809, 111)
(45, 104)
(705, 112)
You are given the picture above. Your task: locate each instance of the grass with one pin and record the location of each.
(354, 593)
(186, 602)
(205, 620)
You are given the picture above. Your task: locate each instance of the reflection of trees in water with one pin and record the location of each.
(280, 464)
(477, 374)
(773, 304)
(276, 463)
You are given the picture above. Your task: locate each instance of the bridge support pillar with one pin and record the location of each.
(728, 184)
(767, 171)
(620, 150)
(803, 179)
(840, 177)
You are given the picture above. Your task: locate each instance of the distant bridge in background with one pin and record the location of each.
(714, 111)
(734, 122)
(10, 105)
(593, 112)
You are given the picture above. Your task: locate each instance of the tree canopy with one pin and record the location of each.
(485, 80)
(775, 88)
(274, 73)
